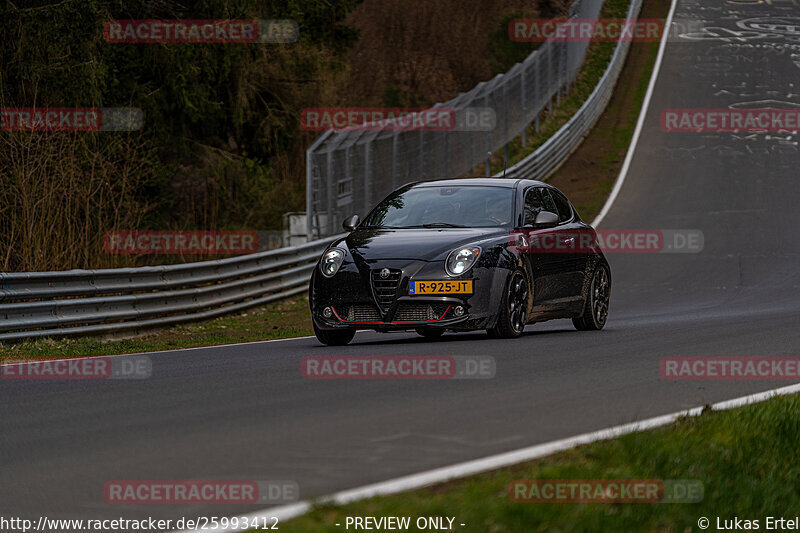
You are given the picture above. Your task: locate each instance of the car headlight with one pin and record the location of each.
(461, 260)
(331, 262)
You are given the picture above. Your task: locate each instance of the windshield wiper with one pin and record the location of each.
(442, 225)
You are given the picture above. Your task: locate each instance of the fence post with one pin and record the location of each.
(367, 184)
(537, 92)
(506, 125)
(488, 140)
(395, 138)
(471, 148)
(524, 105)
(446, 154)
(558, 75)
(329, 193)
(564, 68)
(310, 168)
(421, 154)
(549, 76)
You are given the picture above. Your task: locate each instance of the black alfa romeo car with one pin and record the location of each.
(461, 255)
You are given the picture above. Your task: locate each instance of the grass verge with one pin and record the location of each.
(745, 459)
(589, 174)
(286, 318)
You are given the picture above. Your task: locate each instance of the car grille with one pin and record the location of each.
(420, 312)
(361, 313)
(385, 288)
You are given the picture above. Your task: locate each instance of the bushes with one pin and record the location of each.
(221, 147)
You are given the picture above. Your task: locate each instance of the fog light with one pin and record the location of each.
(458, 311)
(327, 312)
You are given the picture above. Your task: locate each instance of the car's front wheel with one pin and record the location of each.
(595, 310)
(335, 337)
(513, 314)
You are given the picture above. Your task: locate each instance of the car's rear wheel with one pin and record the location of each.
(595, 310)
(430, 333)
(513, 313)
(334, 337)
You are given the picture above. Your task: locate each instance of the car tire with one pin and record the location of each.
(595, 310)
(430, 333)
(335, 337)
(513, 314)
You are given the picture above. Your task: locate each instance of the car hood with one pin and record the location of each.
(413, 244)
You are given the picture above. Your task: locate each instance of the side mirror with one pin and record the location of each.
(350, 223)
(545, 219)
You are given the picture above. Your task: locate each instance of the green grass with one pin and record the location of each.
(287, 318)
(745, 458)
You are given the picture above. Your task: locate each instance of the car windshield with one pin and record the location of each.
(444, 207)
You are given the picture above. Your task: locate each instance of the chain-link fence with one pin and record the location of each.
(347, 172)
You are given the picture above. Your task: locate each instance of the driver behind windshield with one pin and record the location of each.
(497, 210)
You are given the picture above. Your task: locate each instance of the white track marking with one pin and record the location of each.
(640, 123)
(486, 464)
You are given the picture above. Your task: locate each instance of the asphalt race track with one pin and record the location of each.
(245, 412)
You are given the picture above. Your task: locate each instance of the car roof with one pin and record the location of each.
(493, 182)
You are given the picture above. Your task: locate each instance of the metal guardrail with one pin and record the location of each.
(555, 151)
(90, 302)
(87, 302)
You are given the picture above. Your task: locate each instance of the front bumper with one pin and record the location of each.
(351, 299)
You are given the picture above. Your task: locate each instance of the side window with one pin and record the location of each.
(564, 209)
(547, 201)
(533, 204)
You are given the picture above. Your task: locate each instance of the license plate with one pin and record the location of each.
(440, 287)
